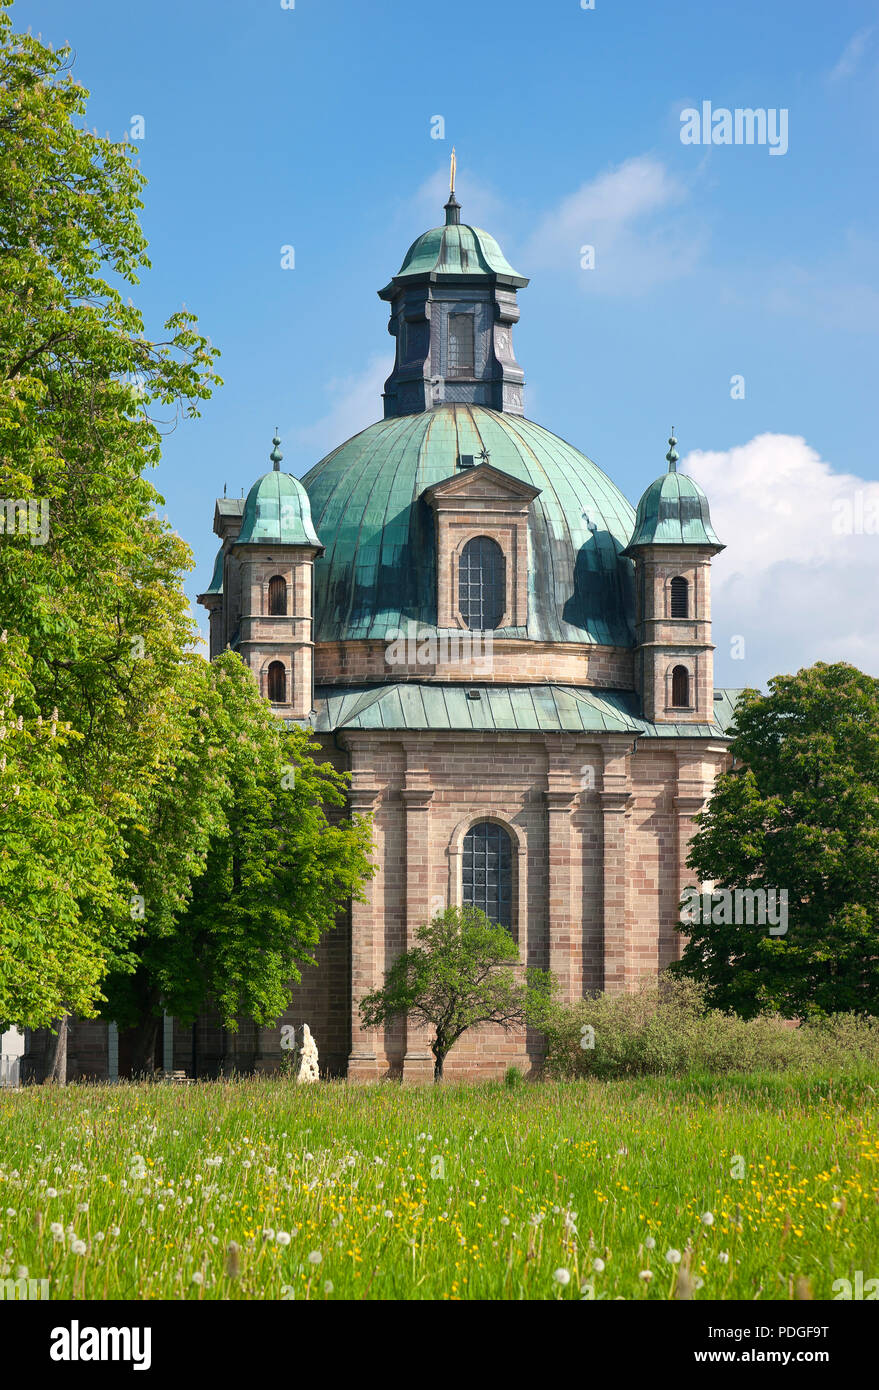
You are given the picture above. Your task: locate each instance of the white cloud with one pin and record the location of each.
(630, 215)
(793, 582)
(355, 402)
(851, 55)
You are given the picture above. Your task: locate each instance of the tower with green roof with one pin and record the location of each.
(672, 545)
(261, 596)
(453, 307)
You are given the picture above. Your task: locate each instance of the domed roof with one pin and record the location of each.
(673, 511)
(457, 249)
(216, 584)
(277, 510)
(379, 571)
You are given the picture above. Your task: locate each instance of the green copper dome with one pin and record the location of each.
(673, 511)
(457, 249)
(379, 570)
(277, 512)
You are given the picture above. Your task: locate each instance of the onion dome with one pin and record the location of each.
(277, 510)
(673, 511)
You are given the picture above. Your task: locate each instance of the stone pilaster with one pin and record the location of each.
(565, 944)
(417, 794)
(366, 1060)
(615, 797)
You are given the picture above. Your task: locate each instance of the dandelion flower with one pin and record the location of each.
(562, 1276)
(673, 1256)
(57, 1230)
(78, 1247)
(198, 1277)
(598, 1266)
(646, 1275)
(650, 1243)
(328, 1286)
(315, 1257)
(707, 1218)
(724, 1257)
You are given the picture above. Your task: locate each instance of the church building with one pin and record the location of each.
(515, 667)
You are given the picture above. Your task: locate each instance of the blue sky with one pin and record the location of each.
(311, 127)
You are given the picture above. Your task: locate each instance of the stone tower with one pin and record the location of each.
(261, 595)
(453, 306)
(672, 547)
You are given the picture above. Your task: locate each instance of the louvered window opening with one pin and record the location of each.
(277, 683)
(680, 598)
(680, 687)
(277, 595)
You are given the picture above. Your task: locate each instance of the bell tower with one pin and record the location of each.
(672, 546)
(453, 307)
(267, 560)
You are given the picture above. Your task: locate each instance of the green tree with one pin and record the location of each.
(799, 812)
(459, 976)
(275, 863)
(58, 891)
(95, 594)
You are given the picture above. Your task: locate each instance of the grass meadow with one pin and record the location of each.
(741, 1187)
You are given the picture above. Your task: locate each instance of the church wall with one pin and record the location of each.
(510, 662)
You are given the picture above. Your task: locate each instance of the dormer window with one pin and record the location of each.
(277, 596)
(461, 345)
(481, 584)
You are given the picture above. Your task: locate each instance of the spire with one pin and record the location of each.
(672, 454)
(453, 207)
(276, 454)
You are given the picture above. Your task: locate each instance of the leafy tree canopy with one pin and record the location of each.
(798, 812)
(459, 976)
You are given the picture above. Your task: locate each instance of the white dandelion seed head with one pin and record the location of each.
(673, 1256)
(315, 1257)
(562, 1276)
(707, 1218)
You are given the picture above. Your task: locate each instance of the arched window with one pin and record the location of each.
(481, 583)
(680, 598)
(487, 871)
(680, 687)
(277, 595)
(277, 683)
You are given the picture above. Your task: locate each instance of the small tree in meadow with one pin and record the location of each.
(459, 976)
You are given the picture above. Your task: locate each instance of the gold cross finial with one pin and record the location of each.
(452, 173)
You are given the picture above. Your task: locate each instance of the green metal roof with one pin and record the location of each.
(673, 511)
(379, 571)
(216, 584)
(457, 249)
(499, 708)
(277, 512)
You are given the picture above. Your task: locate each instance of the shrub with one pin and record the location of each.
(666, 1028)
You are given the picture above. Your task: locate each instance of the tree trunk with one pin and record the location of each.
(143, 1046)
(58, 1073)
(438, 1048)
